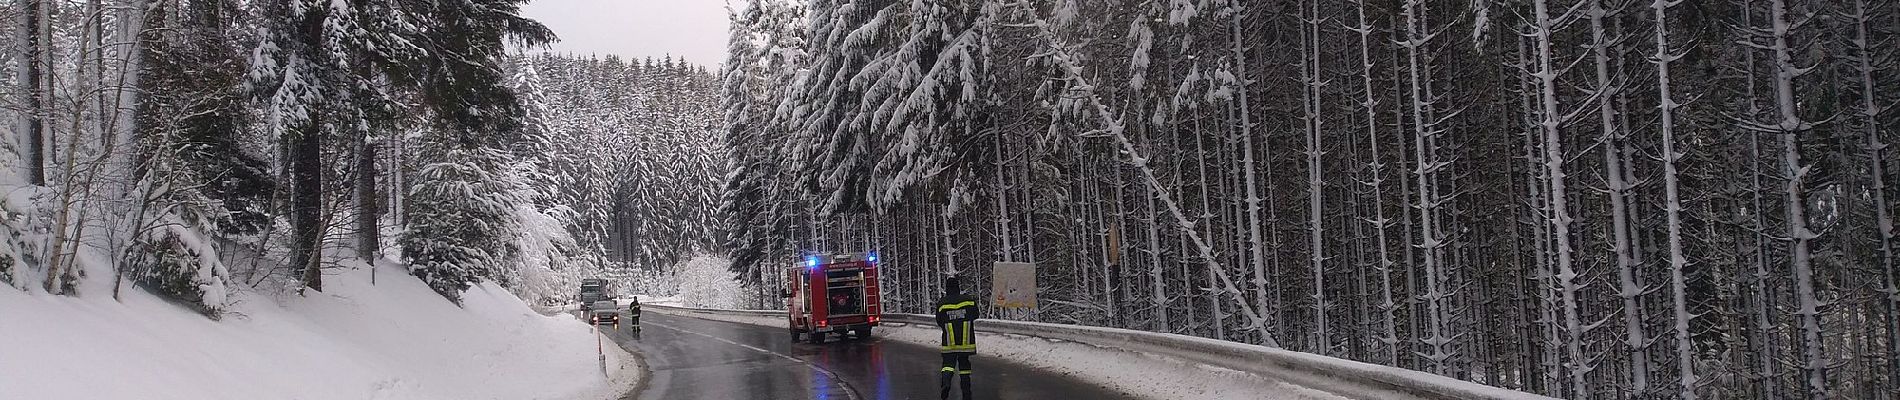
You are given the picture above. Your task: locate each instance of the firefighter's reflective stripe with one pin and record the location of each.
(958, 337)
(956, 362)
(948, 307)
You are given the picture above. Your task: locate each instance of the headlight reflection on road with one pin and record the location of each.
(819, 383)
(877, 365)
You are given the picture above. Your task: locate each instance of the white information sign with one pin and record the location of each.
(1014, 286)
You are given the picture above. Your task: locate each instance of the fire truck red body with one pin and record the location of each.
(832, 293)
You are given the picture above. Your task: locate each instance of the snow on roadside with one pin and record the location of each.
(1141, 375)
(661, 300)
(395, 340)
(706, 282)
(1145, 375)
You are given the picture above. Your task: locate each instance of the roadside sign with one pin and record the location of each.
(1014, 285)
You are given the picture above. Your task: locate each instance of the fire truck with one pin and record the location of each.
(832, 293)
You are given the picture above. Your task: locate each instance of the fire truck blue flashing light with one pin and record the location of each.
(811, 262)
(872, 257)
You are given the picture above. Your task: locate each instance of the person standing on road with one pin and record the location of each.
(956, 317)
(633, 310)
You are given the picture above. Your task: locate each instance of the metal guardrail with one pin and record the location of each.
(1338, 376)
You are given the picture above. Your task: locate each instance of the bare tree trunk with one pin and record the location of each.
(397, 151)
(949, 233)
(1118, 264)
(368, 213)
(1567, 276)
(1790, 126)
(1635, 341)
(1005, 252)
(1255, 243)
(1388, 326)
(1111, 250)
(1762, 300)
(306, 174)
(1401, 110)
(1216, 318)
(37, 56)
(1432, 236)
(1672, 207)
(1158, 285)
(1870, 112)
(1550, 378)
(39, 81)
(1310, 73)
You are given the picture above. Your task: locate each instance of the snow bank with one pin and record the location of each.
(395, 340)
(1145, 375)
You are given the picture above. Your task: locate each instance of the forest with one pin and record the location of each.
(637, 162)
(1579, 198)
(201, 148)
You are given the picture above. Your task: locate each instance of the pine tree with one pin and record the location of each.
(460, 226)
(323, 84)
(198, 179)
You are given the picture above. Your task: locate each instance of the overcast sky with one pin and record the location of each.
(694, 29)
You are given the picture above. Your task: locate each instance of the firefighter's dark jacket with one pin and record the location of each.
(956, 317)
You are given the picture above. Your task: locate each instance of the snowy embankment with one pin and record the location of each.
(394, 340)
(1171, 373)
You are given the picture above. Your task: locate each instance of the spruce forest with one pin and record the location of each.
(1589, 199)
(200, 148)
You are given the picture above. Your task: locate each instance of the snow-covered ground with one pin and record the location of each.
(1142, 375)
(394, 340)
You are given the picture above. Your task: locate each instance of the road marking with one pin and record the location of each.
(849, 392)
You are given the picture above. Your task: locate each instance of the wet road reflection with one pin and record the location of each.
(700, 359)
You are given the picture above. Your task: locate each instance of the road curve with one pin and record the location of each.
(689, 358)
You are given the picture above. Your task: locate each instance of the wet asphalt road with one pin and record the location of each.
(690, 358)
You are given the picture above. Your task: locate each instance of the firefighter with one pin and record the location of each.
(633, 310)
(956, 315)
